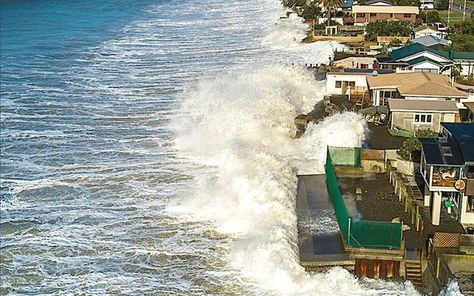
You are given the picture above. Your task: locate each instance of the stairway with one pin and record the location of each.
(413, 267)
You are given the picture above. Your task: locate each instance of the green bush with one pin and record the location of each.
(430, 16)
(311, 11)
(412, 145)
(388, 28)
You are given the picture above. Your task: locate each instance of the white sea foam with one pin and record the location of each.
(242, 124)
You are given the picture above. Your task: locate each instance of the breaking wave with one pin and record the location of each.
(241, 126)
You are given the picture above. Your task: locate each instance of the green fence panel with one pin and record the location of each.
(357, 233)
(345, 156)
(375, 234)
(342, 214)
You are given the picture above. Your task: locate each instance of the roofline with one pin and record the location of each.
(424, 110)
(430, 95)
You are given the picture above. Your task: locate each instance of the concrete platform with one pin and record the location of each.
(320, 243)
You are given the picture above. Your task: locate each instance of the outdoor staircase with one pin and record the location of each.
(413, 267)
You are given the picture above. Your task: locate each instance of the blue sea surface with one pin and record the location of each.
(88, 164)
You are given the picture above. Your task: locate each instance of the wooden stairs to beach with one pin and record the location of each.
(413, 267)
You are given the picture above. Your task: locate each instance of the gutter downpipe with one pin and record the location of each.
(349, 231)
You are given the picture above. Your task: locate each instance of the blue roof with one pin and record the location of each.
(347, 3)
(463, 134)
(430, 40)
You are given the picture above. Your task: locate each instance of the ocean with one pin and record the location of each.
(147, 149)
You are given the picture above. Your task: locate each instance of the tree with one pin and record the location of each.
(442, 5)
(388, 28)
(412, 145)
(291, 3)
(430, 16)
(311, 11)
(330, 6)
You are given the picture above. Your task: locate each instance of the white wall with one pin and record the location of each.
(467, 68)
(426, 65)
(359, 79)
(466, 217)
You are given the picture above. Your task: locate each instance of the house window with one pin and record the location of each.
(373, 14)
(392, 15)
(338, 84)
(407, 15)
(423, 118)
(361, 15)
(352, 84)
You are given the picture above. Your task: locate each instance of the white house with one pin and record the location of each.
(344, 83)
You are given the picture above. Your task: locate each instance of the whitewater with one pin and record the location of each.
(153, 152)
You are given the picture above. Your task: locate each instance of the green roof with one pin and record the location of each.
(464, 55)
(424, 59)
(415, 48)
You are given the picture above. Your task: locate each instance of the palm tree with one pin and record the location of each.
(330, 6)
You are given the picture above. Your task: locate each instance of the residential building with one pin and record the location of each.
(427, 4)
(364, 14)
(378, 3)
(447, 167)
(414, 115)
(441, 61)
(413, 85)
(432, 41)
(349, 82)
(427, 31)
(354, 61)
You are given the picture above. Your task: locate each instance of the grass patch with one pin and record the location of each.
(401, 133)
(468, 3)
(455, 16)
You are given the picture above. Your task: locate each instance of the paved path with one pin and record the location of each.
(318, 249)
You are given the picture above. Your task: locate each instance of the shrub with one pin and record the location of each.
(388, 28)
(412, 145)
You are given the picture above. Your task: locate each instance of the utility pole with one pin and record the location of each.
(449, 10)
(464, 12)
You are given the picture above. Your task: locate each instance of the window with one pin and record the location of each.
(407, 15)
(373, 15)
(338, 84)
(361, 15)
(423, 118)
(352, 83)
(392, 15)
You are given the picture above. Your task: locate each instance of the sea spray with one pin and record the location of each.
(286, 37)
(242, 125)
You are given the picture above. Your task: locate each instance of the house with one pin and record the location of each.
(432, 41)
(442, 60)
(427, 31)
(364, 14)
(413, 85)
(447, 168)
(378, 3)
(427, 4)
(354, 61)
(349, 82)
(412, 115)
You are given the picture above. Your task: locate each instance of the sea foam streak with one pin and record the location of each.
(242, 125)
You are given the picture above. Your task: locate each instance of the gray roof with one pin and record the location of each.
(422, 105)
(430, 40)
